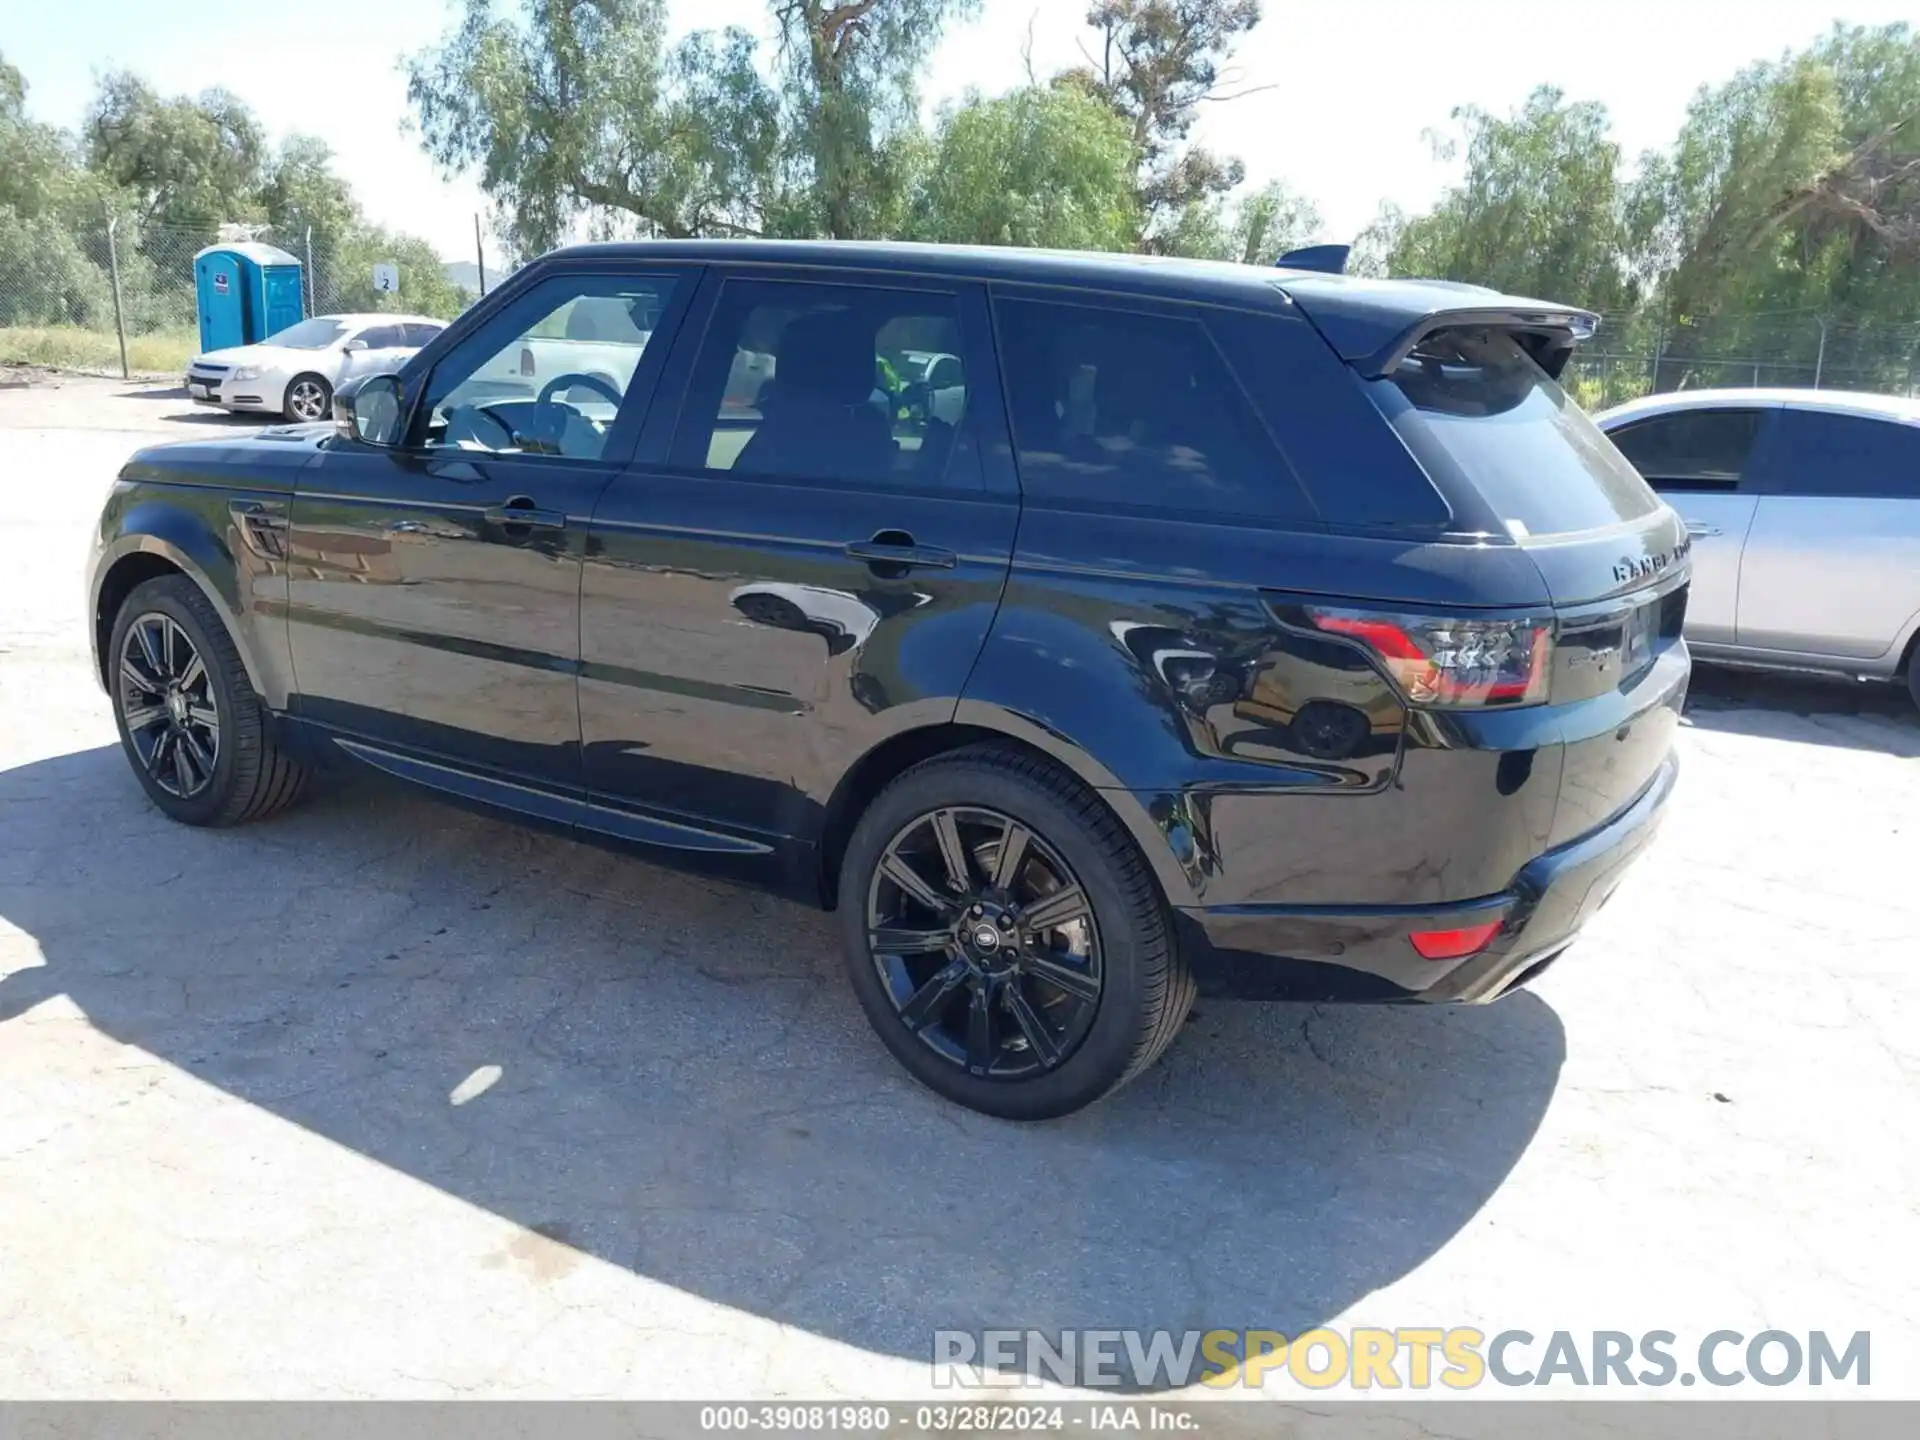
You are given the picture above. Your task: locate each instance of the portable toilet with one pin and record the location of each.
(245, 291)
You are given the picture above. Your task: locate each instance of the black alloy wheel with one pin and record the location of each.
(1005, 935)
(168, 704)
(985, 941)
(200, 740)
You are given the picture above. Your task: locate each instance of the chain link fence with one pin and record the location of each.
(118, 296)
(1635, 355)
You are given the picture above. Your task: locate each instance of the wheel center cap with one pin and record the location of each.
(986, 939)
(177, 707)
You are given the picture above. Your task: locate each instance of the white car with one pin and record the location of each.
(295, 372)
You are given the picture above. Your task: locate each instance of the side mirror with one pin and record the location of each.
(352, 345)
(370, 410)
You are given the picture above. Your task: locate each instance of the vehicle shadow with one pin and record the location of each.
(224, 418)
(155, 391)
(687, 1089)
(1816, 712)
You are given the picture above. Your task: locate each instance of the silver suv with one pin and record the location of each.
(1804, 511)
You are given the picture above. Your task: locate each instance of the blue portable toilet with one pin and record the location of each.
(245, 291)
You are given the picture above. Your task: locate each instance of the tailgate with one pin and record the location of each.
(1620, 667)
(1516, 458)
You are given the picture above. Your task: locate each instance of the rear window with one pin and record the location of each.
(1484, 420)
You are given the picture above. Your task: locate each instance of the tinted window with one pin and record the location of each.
(1824, 454)
(819, 382)
(512, 387)
(1479, 414)
(1693, 450)
(382, 337)
(418, 335)
(1355, 470)
(1113, 407)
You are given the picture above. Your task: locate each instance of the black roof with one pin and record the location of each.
(1364, 320)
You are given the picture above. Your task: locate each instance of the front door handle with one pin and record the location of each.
(520, 513)
(896, 550)
(1700, 531)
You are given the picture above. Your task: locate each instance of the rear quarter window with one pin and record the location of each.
(1821, 453)
(1488, 424)
(1116, 407)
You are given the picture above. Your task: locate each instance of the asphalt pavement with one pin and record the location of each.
(384, 1099)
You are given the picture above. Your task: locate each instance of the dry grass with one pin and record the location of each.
(64, 347)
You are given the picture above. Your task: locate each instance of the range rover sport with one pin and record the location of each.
(1271, 632)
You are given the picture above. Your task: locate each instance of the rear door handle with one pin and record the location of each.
(890, 547)
(520, 513)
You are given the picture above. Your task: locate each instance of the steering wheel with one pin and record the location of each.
(572, 378)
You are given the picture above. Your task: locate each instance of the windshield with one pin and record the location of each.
(314, 334)
(1478, 413)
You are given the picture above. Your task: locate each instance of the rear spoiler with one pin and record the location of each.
(1373, 325)
(1547, 335)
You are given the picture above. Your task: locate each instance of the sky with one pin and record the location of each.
(1342, 95)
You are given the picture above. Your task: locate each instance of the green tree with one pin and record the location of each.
(301, 192)
(1255, 229)
(578, 110)
(187, 163)
(1042, 166)
(345, 283)
(42, 174)
(1156, 62)
(1793, 190)
(848, 71)
(1539, 211)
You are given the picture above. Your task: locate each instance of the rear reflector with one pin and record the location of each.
(1453, 944)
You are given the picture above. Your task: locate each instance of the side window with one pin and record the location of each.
(1692, 450)
(826, 382)
(525, 383)
(419, 335)
(383, 337)
(1819, 453)
(1115, 407)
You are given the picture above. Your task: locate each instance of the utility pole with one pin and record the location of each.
(1820, 361)
(479, 253)
(119, 319)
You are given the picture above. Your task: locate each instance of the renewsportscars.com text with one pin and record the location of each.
(1412, 1358)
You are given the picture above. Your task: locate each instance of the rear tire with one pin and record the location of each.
(1118, 991)
(308, 398)
(198, 738)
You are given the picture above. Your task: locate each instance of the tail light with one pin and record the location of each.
(1453, 664)
(526, 360)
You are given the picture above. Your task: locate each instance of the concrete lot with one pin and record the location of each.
(238, 1155)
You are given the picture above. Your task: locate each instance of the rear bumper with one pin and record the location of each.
(1362, 954)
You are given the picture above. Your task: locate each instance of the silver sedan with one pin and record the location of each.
(1803, 507)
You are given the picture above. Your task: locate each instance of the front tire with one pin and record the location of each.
(197, 736)
(1005, 937)
(308, 398)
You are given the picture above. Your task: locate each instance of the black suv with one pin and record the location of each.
(1085, 629)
